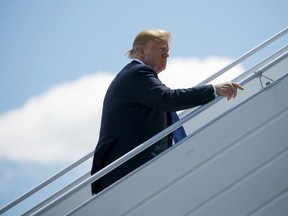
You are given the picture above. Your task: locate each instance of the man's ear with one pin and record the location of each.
(141, 52)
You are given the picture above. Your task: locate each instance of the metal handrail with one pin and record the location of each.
(176, 125)
(154, 139)
(57, 194)
(245, 56)
(262, 63)
(43, 184)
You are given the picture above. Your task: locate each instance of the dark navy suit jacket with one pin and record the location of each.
(136, 107)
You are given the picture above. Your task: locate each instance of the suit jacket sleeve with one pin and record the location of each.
(148, 90)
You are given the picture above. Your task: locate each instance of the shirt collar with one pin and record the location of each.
(141, 62)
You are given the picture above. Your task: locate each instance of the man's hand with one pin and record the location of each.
(228, 89)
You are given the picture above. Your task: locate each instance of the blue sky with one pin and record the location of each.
(54, 52)
(47, 42)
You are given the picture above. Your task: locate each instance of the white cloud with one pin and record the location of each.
(62, 124)
(187, 72)
(57, 126)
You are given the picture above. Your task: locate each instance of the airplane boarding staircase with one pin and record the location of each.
(233, 162)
